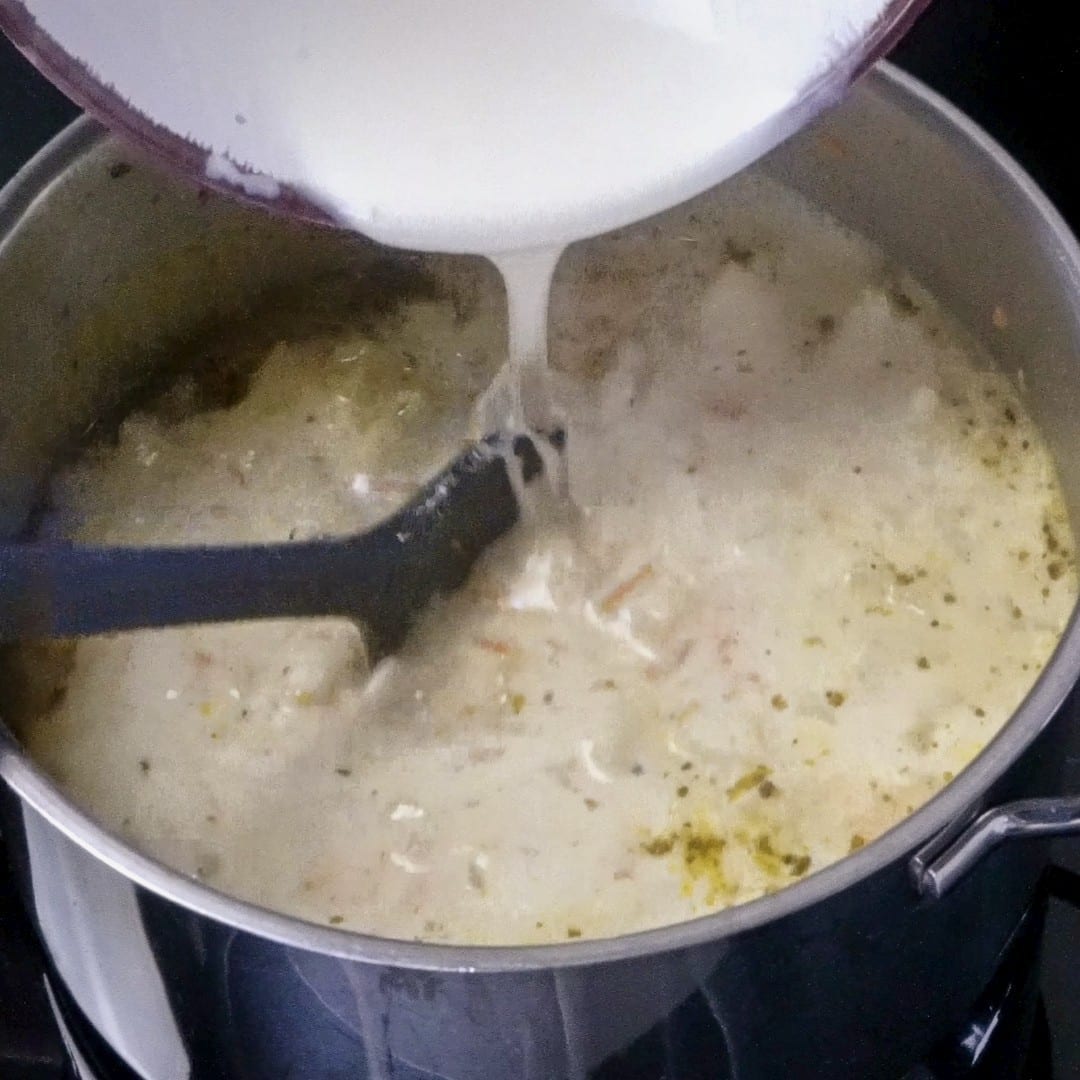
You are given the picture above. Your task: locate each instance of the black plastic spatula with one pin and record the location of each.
(383, 579)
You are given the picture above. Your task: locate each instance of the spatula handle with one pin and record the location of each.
(64, 590)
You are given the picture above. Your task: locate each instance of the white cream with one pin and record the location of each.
(820, 558)
(520, 397)
(484, 125)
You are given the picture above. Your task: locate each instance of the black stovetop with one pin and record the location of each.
(1014, 66)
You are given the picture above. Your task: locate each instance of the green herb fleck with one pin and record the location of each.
(658, 845)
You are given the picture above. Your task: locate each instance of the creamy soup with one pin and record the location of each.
(815, 557)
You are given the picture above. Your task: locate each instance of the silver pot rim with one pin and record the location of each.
(954, 804)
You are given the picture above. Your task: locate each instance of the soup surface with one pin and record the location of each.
(816, 556)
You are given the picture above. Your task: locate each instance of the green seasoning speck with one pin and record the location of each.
(748, 782)
(336, 920)
(573, 932)
(800, 865)
(1052, 542)
(922, 663)
(659, 845)
(901, 302)
(835, 698)
(779, 702)
(700, 846)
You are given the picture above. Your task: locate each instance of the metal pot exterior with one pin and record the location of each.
(804, 984)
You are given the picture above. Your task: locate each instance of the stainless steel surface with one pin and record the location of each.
(937, 868)
(186, 982)
(383, 578)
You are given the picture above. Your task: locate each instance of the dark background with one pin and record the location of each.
(1014, 66)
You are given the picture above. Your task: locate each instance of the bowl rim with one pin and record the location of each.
(953, 804)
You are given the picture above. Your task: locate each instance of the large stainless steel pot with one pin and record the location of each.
(97, 260)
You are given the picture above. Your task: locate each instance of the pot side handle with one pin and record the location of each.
(942, 863)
